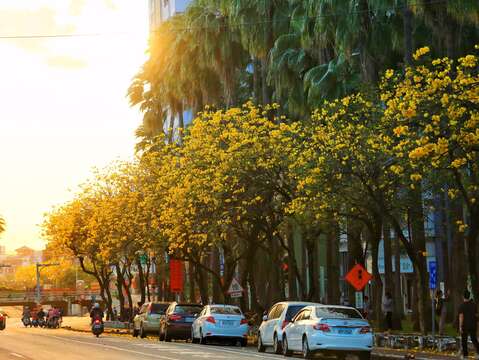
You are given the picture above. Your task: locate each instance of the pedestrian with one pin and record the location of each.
(468, 324)
(366, 307)
(441, 310)
(388, 311)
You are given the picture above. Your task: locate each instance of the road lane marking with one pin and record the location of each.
(115, 348)
(17, 355)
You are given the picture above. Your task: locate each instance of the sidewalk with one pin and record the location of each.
(82, 324)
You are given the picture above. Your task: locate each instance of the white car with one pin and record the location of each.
(329, 330)
(270, 332)
(220, 322)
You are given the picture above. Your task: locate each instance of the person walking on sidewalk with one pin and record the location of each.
(441, 310)
(388, 311)
(468, 324)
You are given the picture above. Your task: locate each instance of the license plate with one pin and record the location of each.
(189, 319)
(227, 323)
(345, 331)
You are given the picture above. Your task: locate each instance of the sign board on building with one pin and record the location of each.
(432, 275)
(176, 276)
(358, 277)
(235, 290)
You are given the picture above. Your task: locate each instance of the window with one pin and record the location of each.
(279, 311)
(298, 317)
(225, 310)
(337, 313)
(188, 309)
(158, 308)
(272, 312)
(306, 315)
(292, 311)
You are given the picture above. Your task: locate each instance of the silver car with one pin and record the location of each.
(270, 332)
(148, 319)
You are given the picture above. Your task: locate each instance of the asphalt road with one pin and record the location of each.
(17, 343)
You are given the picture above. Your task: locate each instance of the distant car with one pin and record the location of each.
(148, 319)
(270, 332)
(3, 320)
(220, 322)
(328, 330)
(177, 321)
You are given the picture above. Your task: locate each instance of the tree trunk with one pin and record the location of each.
(407, 33)
(355, 251)
(398, 296)
(419, 242)
(374, 239)
(332, 269)
(471, 247)
(141, 280)
(119, 288)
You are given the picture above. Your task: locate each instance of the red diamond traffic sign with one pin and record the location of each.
(358, 277)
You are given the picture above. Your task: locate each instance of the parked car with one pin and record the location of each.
(220, 322)
(270, 332)
(329, 330)
(177, 321)
(147, 321)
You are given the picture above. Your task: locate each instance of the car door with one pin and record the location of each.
(302, 326)
(199, 322)
(292, 331)
(267, 335)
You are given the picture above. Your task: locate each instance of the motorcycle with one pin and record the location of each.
(3, 321)
(97, 327)
(26, 321)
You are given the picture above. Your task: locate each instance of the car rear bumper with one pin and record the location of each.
(178, 331)
(353, 343)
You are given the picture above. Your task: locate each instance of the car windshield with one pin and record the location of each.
(225, 310)
(158, 308)
(188, 309)
(292, 311)
(337, 313)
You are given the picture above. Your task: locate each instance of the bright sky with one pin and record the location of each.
(63, 106)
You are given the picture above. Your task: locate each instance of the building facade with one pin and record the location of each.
(161, 10)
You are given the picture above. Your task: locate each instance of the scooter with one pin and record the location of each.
(97, 327)
(26, 321)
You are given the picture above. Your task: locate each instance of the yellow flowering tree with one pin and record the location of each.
(432, 117)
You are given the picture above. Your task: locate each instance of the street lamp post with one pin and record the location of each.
(38, 267)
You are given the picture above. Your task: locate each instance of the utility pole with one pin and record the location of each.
(38, 267)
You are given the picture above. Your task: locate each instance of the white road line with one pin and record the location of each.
(114, 348)
(17, 355)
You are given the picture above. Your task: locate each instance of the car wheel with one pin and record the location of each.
(203, 340)
(306, 352)
(365, 355)
(277, 345)
(261, 347)
(286, 351)
(244, 342)
(193, 339)
(142, 332)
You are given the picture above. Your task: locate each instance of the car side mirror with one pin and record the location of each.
(265, 317)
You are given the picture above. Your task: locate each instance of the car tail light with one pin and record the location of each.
(211, 319)
(322, 327)
(284, 324)
(243, 322)
(97, 321)
(174, 317)
(365, 330)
